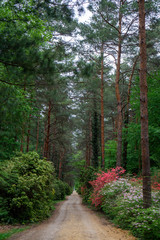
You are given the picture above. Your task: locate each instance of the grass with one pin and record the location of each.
(6, 235)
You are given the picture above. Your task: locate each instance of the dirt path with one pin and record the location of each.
(73, 221)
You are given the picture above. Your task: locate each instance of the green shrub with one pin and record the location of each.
(85, 188)
(26, 187)
(61, 189)
(123, 202)
(68, 189)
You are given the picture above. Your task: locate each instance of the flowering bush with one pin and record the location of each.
(101, 180)
(123, 202)
(111, 192)
(156, 186)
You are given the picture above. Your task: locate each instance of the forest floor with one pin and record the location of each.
(73, 221)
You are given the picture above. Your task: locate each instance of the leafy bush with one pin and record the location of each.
(85, 189)
(123, 201)
(101, 180)
(110, 153)
(26, 188)
(61, 189)
(68, 189)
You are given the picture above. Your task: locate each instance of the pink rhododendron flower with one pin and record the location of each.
(102, 179)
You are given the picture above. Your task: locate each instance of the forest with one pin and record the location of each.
(79, 109)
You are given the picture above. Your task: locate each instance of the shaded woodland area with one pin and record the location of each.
(75, 92)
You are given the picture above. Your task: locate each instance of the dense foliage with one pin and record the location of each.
(28, 188)
(121, 199)
(58, 79)
(123, 202)
(84, 187)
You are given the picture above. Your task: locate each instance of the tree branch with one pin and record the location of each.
(109, 22)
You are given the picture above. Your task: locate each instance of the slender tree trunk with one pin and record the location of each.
(118, 96)
(60, 163)
(23, 126)
(90, 139)
(54, 136)
(95, 142)
(87, 153)
(37, 137)
(126, 121)
(102, 108)
(48, 129)
(28, 134)
(21, 148)
(60, 169)
(144, 108)
(44, 147)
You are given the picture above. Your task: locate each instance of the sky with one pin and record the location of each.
(85, 16)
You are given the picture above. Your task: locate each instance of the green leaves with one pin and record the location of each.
(27, 184)
(134, 154)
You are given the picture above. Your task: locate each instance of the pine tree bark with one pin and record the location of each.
(87, 154)
(48, 130)
(95, 143)
(37, 137)
(60, 163)
(102, 109)
(28, 134)
(22, 137)
(118, 96)
(54, 136)
(44, 147)
(126, 121)
(90, 139)
(144, 108)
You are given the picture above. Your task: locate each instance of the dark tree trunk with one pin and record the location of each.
(61, 163)
(102, 110)
(54, 137)
(28, 135)
(48, 130)
(144, 108)
(37, 137)
(22, 138)
(90, 139)
(118, 96)
(87, 153)
(44, 147)
(126, 116)
(95, 143)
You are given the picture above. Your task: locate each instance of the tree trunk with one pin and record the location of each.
(90, 139)
(21, 148)
(54, 136)
(95, 143)
(102, 109)
(44, 147)
(118, 96)
(28, 135)
(144, 108)
(37, 137)
(23, 126)
(126, 121)
(48, 130)
(60, 163)
(87, 154)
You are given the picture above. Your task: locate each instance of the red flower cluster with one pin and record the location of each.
(156, 185)
(101, 180)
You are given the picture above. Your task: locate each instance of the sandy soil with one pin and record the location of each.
(74, 221)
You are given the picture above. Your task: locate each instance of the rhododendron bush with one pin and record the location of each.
(101, 180)
(123, 203)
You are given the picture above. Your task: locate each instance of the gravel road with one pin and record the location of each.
(74, 221)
